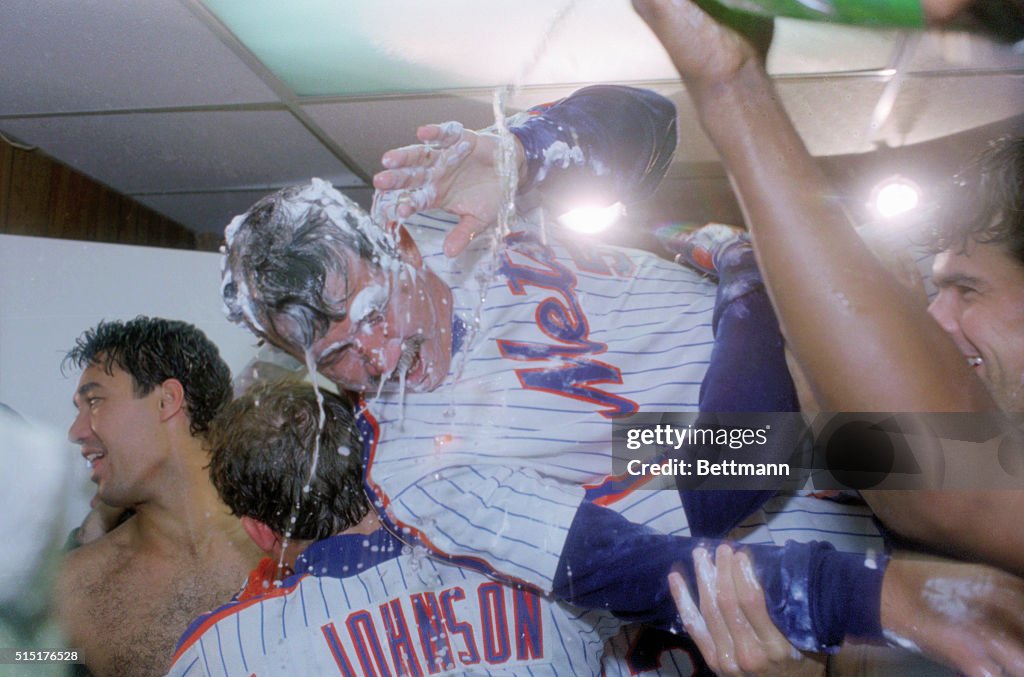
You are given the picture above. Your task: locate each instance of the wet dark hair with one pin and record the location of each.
(277, 263)
(261, 452)
(152, 350)
(985, 203)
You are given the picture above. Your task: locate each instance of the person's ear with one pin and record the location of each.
(263, 536)
(172, 398)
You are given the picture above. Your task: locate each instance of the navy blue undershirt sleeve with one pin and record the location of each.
(602, 144)
(816, 595)
(747, 373)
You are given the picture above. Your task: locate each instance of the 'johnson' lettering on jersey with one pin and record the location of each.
(362, 607)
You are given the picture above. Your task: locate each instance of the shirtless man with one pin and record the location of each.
(148, 390)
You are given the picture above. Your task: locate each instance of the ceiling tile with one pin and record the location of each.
(959, 50)
(368, 128)
(930, 107)
(348, 47)
(92, 55)
(203, 212)
(185, 151)
(833, 115)
(210, 212)
(801, 47)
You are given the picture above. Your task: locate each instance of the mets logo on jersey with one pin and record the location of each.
(570, 368)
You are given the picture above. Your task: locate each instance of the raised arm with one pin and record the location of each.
(600, 145)
(864, 341)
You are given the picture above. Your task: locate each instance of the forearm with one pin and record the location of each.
(829, 290)
(815, 595)
(601, 144)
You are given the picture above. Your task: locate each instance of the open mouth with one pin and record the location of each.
(408, 369)
(92, 460)
(409, 362)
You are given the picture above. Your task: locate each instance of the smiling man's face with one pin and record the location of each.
(118, 432)
(981, 305)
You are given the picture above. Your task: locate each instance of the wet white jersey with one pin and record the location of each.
(489, 465)
(362, 607)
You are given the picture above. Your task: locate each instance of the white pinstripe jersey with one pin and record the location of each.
(398, 614)
(357, 620)
(566, 340)
(469, 465)
(465, 465)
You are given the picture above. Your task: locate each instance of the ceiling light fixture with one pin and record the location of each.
(894, 197)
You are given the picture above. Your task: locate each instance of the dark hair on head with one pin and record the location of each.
(152, 350)
(985, 203)
(262, 448)
(278, 257)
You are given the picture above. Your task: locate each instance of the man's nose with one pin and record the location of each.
(79, 430)
(943, 310)
(380, 354)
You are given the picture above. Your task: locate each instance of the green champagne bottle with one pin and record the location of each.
(877, 13)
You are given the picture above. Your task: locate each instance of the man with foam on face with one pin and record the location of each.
(571, 334)
(509, 403)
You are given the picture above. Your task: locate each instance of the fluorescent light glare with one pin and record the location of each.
(895, 196)
(592, 220)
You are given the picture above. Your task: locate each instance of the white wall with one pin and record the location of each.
(53, 290)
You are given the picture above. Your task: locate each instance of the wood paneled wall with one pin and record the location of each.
(41, 197)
